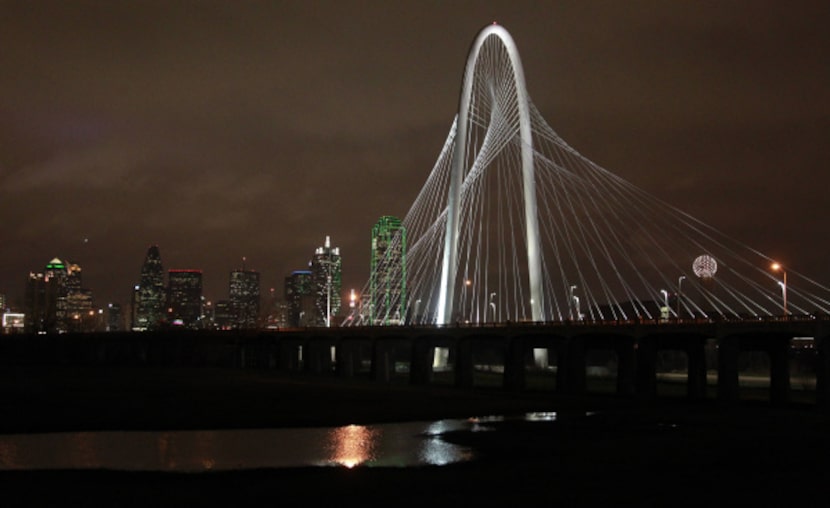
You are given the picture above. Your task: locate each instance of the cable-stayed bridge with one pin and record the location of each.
(513, 225)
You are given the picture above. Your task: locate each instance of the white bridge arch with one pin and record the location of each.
(513, 224)
(449, 266)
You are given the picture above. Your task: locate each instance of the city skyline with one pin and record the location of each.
(251, 131)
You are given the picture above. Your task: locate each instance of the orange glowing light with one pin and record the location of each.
(352, 445)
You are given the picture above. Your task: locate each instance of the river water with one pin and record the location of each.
(388, 445)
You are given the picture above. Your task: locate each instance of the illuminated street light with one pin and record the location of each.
(679, 283)
(664, 312)
(778, 267)
(493, 305)
(467, 284)
(571, 302)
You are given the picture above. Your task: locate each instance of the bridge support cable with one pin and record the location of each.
(514, 224)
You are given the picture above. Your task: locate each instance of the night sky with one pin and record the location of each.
(223, 130)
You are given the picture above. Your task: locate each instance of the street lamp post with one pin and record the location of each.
(467, 284)
(778, 267)
(571, 304)
(679, 283)
(493, 305)
(664, 312)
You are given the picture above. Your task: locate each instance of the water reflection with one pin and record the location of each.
(388, 445)
(395, 445)
(353, 444)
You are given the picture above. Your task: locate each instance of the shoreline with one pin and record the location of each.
(670, 452)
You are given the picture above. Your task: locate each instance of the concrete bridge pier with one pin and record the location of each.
(646, 358)
(515, 371)
(380, 362)
(347, 361)
(571, 373)
(778, 349)
(822, 345)
(626, 366)
(696, 369)
(464, 368)
(318, 356)
(420, 366)
(728, 385)
(290, 355)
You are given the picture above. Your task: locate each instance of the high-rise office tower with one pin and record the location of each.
(184, 298)
(223, 317)
(75, 305)
(54, 300)
(326, 282)
(151, 292)
(115, 321)
(387, 276)
(300, 298)
(244, 298)
(34, 303)
(55, 276)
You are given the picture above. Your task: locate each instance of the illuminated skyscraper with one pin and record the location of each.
(244, 298)
(300, 298)
(151, 292)
(184, 298)
(34, 304)
(326, 281)
(223, 317)
(54, 301)
(74, 302)
(387, 276)
(115, 321)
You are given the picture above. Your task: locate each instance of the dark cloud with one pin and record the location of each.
(221, 129)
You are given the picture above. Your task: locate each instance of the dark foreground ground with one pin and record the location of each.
(627, 454)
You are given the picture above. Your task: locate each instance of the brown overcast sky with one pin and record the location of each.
(223, 129)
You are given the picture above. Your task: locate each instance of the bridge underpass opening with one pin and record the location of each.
(354, 357)
(672, 371)
(754, 375)
(541, 376)
(443, 365)
(601, 370)
(392, 360)
(488, 364)
(802, 364)
(441, 359)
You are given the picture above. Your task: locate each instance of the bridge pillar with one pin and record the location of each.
(626, 366)
(345, 364)
(515, 373)
(779, 375)
(381, 362)
(571, 374)
(319, 358)
(646, 357)
(420, 362)
(822, 344)
(290, 355)
(464, 369)
(696, 369)
(728, 386)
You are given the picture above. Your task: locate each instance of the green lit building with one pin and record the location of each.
(387, 276)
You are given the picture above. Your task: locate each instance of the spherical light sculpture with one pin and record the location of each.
(705, 266)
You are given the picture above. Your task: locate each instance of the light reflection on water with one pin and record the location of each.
(192, 451)
(389, 445)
